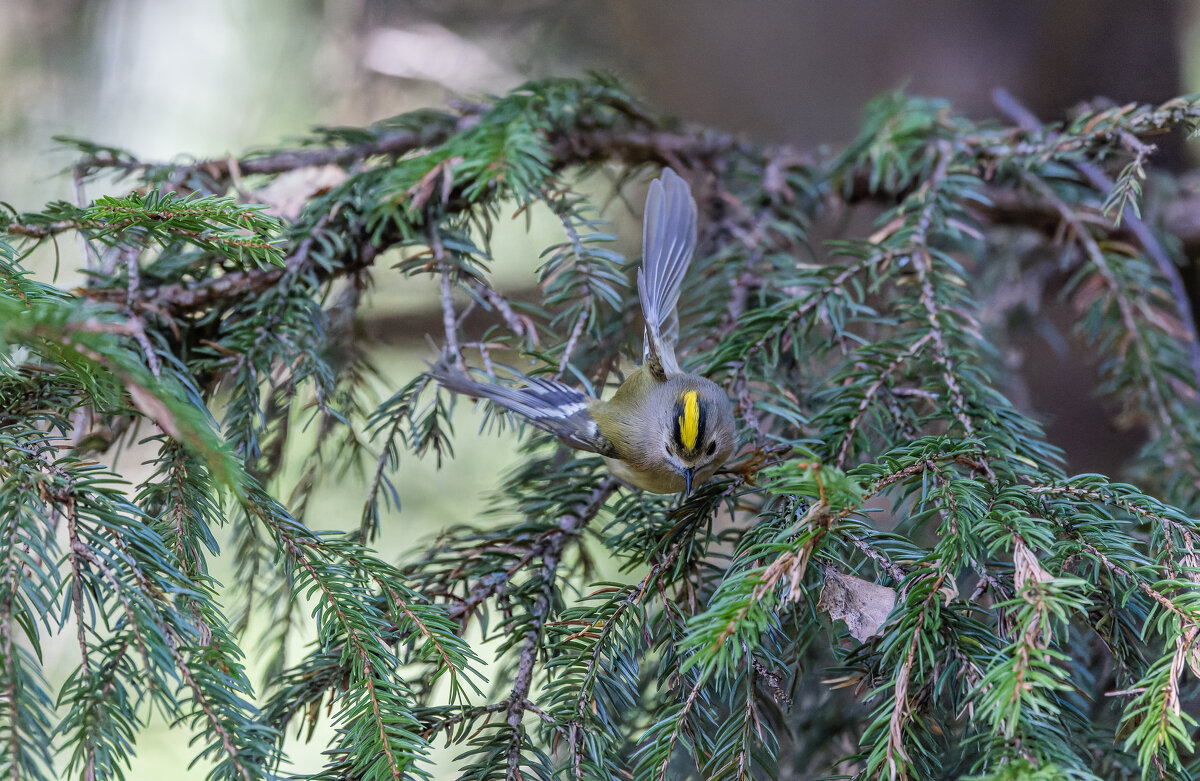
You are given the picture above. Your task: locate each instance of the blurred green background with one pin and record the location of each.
(168, 80)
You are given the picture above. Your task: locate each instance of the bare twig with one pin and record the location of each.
(894, 571)
(449, 324)
(576, 332)
(1095, 255)
(218, 171)
(137, 325)
(568, 527)
(520, 325)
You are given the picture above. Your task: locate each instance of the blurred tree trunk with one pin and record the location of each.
(801, 72)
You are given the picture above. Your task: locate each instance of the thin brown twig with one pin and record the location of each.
(897, 756)
(681, 719)
(922, 264)
(568, 527)
(449, 325)
(894, 571)
(1170, 272)
(569, 349)
(520, 325)
(1092, 250)
(387, 144)
(913, 350)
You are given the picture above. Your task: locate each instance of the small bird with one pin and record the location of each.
(664, 430)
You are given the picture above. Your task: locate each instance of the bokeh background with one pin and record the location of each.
(171, 79)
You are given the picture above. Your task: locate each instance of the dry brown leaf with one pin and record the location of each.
(152, 407)
(1026, 566)
(287, 193)
(863, 605)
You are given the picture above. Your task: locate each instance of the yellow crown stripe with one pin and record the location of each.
(689, 422)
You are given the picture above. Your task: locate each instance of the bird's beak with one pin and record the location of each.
(688, 475)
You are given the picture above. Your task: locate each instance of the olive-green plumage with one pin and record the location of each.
(663, 431)
(649, 451)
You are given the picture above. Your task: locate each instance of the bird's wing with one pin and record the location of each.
(551, 406)
(668, 241)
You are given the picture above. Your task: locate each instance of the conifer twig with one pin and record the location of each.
(1153, 248)
(568, 527)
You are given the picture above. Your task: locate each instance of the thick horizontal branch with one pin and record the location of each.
(637, 145)
(180, 299)
(631, 147)
(36, 230)
(391, 142)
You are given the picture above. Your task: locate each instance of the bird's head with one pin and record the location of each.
(701, 434)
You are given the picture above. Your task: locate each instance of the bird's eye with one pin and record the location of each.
(712, 448)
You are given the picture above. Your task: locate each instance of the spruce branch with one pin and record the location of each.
(868, 396)
(879, 441)
(1122, 197)
(383, 141)
(551, 551)
(895, 757)
(922, 264)
(26, 584)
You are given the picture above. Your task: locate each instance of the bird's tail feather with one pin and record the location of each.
(668, 242)
(551, 406)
